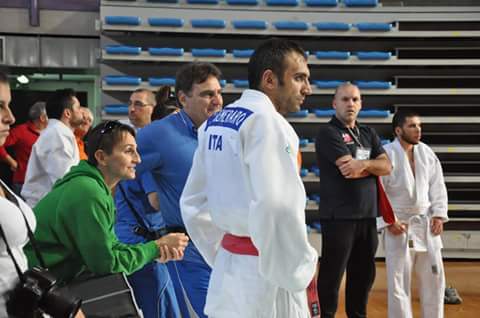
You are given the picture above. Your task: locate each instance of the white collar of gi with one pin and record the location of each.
(257, 98)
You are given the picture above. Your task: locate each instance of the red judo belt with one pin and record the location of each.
(243, 245)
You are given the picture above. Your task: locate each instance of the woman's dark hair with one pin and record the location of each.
(165, 103)
(105, 136)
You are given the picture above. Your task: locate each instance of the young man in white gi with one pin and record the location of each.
(244, 202)
(417, 192)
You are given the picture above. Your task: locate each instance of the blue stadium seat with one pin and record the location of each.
(303, 142)
(122, 20)
(166, 51)
(315, 197)
(300, 114)
(374, 55)
(240, 83)
(242, 53)
(385, 141)
(303, 172)
(116, 109)
(208, 23)
(242, 2)
(209, 52)
(373, 26)
(374, 113)
(163, 1)
(316, 171)
(327, 84)
(332, 26)
(250, 24)
(123, 49)
(122, 80)
(291, 25)
(161, 81)
(360, 3)
(202, 1)
(324, 112)
(373, 84)
(166, 22)
(332, 55)
(289, 3)
(321, 3)
(223, 82)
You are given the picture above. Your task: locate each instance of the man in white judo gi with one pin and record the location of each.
(417, 192)
(244, 202)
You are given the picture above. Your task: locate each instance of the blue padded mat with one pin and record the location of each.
(166, 51)
(332, 55)
(373, 84)
(360, 3)
(250, 24)
(161, 81)
(377, 113)
(327, 84)
(324, 112)
(122, 80)
(332, 26)
(242, 2)
(122, 20)
(321, 3)
(240, 83)
(166, 22)
(290, 3)
(123, 49)
(370, 26)
(300, 114)
(374, 55)
(242, 53)
(209, 52)
(208, 23)
(291, 25)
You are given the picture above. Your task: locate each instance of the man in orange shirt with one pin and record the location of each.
(82, 130)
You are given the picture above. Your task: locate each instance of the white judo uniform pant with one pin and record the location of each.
(237, 290)
(401, 262)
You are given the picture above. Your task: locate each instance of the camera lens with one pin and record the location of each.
(60, 304)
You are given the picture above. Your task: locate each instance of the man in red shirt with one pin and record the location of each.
(21, 139)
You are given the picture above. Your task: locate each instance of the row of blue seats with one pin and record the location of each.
(370, 113)
(248, 24)
(289, 3)
(303, 142)
(237, 53)
(239, 83)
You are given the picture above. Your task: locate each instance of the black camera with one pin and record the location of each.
(38, 293)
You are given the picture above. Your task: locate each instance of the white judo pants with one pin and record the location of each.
(401, 261)
(237, 290)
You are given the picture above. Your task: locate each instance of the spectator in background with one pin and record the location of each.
(82, 131)
(139, 220)
(21, 140)
(167, 147)
(56, 149)
(166, 103)
(75, 220)
(350, 157)
(140, 107)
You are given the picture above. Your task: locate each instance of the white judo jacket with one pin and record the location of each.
(53, 154)
(245, 181)
(424, 194)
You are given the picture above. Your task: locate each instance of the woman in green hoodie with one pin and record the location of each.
(75, 220)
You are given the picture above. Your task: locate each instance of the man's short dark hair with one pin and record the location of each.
(60, 100)
(401, 116)
(194, 73)
(270, 55)
(105, 136)
(4, 78)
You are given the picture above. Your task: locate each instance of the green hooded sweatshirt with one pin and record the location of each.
(75, 229)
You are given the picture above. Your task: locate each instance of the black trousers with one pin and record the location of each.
(347, 245)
